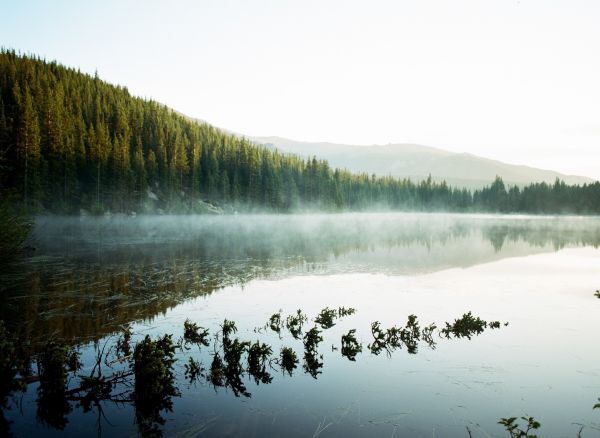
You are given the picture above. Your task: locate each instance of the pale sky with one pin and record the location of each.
(517, 81)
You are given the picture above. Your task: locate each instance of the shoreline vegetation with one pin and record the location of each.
(73, 144)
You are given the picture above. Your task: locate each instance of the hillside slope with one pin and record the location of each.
(417, 162)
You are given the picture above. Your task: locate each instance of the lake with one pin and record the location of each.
(91, 278)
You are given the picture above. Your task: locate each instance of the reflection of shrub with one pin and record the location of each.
(154, 382)
(350, 345)
(9, 366)
(289, 360)
(153, 368)
(52, 404)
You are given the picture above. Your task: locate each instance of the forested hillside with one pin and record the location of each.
(69, 141)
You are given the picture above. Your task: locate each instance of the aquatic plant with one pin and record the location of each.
(379, 338)
(275, 322)
(515, 431)
(288, 360)
(350, 345)
(153, 369)
(326, 317)
(193, 334)
(466, 326)
(411, 334)
(597, 405)
(597, 294)
(227, 328)
(427, 335)
(295, 322)
(343, 311)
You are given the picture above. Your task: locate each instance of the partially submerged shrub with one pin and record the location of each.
(192, 334)
(153, 368)
(326, 318)
(343, 311)
(295, 322)
(227, 328)
(275, 322)
(515, 431)
(467, 326)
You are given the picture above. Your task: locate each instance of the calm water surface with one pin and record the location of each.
(91, 277)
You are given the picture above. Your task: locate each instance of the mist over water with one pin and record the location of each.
(89, 277)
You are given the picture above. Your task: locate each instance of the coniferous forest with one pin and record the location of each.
(71, 142)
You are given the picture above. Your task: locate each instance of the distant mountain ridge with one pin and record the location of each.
(417, 162)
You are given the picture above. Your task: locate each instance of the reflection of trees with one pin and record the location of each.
(92, 276)
(144, 377)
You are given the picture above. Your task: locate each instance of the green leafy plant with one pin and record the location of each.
(466, 326)
(515, 431)
(343, 311)
(326, 318)
(193, 334)
(295, 322)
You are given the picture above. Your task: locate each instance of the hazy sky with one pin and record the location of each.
(513, 80)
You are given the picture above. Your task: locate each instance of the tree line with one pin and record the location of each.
(69, 141)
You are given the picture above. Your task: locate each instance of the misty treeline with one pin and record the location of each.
(69, 141)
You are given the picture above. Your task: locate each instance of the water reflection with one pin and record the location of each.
(144, 376)
(91, 276)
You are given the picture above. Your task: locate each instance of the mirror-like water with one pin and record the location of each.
(91, 277)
